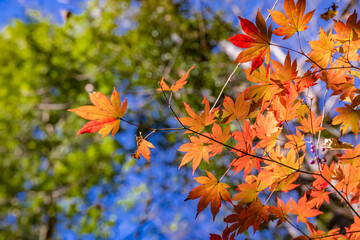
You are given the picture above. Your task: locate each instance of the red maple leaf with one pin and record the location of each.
(257, 41)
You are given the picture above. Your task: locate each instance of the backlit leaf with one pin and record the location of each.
(257, 41)
(105, 115)
(210, 190)
(294, 20)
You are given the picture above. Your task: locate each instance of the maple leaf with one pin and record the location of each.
(105, 115)
(245, 137)
(278, 171)
(281, 211)
(349, 35)
(220, 136)
(330, 13)
(273, 84)
(310, 124)
(348, 31)
(327, 172)
(323, 49)
(284, 72)
(249, 191)
(296, 141)
(257, 41)
(238, 110)
(215, 237)
(308, 80)
(352, 156)
(196, 150)
(142, 148)
(267, 130)
(336, 79)
(246, 162)
(245, 216)
(285, 184)
(198, 123)
(210, 190)
(285, 107)
(348, 179)
(294, 20)
(261, 93)
(303, 209)
(317, 234)
(244, 142)
(354, 228)
(179, 84)
(318, 197)
(347, 117)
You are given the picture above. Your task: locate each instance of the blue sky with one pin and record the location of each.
(10, 9)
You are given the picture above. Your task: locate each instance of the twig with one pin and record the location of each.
(226, 83)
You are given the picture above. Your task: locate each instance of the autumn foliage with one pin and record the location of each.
(272, 131)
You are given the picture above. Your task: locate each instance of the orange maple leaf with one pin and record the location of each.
(221, 136)
(195, 122)
(285, 184)
(349, 31)
(336, 79)
(179, 84)
(143, 148)
(318, 197)
(238, 110)
(196, 150)
(348, 179)
(327, 172)
(308, 80)
(249, 191)
(296, 141)
(246, 162)
(284, 107)
(286, 72)
(333, 234)
(303, 209)
(105, 115)
(264, 92)
(210, 190)
(267, 130)
(310, 124)
(347, 117)
(245, 137)
(352, 156)
(281, 211)
(349, 36)
(354, 228)
(294, 20)
(278, 171)
(244, 140)
(323, 49)
(257, 41)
